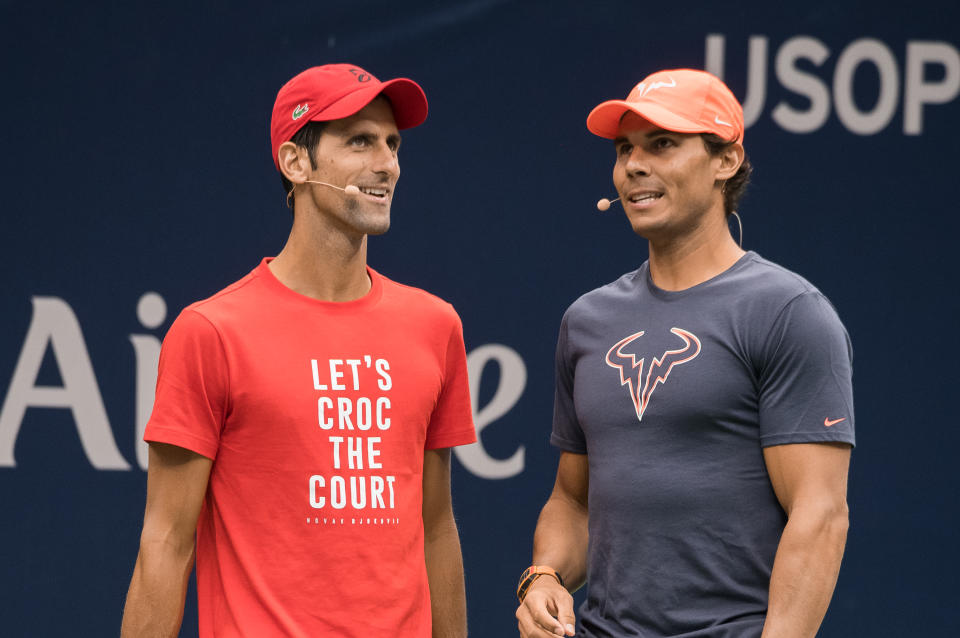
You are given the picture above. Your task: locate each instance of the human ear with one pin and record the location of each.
(730, 160)
(293, 162)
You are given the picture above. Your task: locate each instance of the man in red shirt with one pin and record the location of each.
(299, 444)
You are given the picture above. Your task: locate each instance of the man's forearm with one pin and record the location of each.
(805, 573)
(448, 601)
(560, 540)
(154, 607)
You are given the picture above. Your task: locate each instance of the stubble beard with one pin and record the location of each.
(366, 220)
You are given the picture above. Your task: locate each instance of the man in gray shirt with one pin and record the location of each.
(703, 407)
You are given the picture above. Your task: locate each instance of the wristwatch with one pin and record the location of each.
(531, 574)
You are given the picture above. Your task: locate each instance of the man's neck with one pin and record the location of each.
(683, 262)
(323, 263)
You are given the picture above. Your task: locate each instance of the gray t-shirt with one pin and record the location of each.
(673, 395)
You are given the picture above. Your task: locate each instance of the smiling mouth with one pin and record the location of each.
(643, 198)
(374, 191)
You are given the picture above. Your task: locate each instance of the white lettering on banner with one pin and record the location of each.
(54, 325)
(756, 73)
(805, 84)
(875, 120)
(805, 50)
(513, 379)
(918, 92)
(151, 311)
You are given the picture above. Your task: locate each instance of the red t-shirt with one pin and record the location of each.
(316, 415)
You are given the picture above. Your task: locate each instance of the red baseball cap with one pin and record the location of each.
(335, 91)
(679, 100)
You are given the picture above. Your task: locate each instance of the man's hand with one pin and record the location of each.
(547, 610)
(559, 541)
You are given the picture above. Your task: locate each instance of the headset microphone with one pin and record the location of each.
(604, 204)
(350, 189)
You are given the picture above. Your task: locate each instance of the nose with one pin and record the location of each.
(386, 161)
(637, 163)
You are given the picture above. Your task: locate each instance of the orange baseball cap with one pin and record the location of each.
(679, 100)
(335, 91)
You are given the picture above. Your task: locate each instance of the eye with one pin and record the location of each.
(662, 143)
(359, 141)
(624, 150)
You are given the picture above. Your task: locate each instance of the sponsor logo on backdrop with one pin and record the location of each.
(914, 78)
(54, 327)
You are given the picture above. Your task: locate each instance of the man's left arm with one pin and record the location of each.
(810, 481)
(441, 545)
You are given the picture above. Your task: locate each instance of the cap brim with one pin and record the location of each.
(407, 99)
(604, 120)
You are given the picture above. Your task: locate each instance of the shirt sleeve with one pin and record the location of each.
(567, 433)
(192, 387)
(451, 423)
(806, 389)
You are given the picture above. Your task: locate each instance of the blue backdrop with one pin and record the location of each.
(136, 177)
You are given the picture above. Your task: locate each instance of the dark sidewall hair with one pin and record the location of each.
(736, 186)
(307, 137)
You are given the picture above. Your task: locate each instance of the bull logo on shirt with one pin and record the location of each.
(642, 382)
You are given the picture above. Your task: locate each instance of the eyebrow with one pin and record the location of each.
(620, 139)
(349, 133)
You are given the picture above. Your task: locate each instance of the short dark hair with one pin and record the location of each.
(307, 137)
(736, 186)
